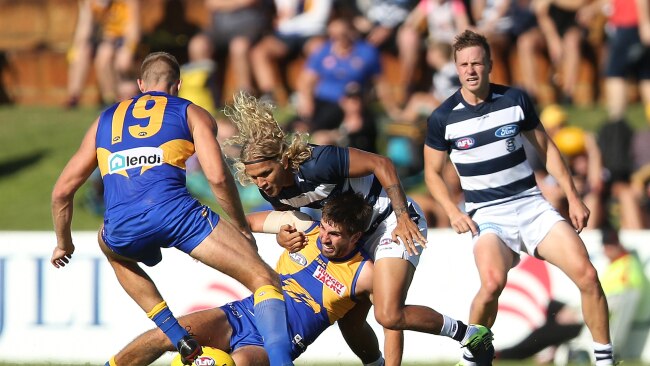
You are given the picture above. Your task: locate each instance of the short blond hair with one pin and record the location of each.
(260, 137)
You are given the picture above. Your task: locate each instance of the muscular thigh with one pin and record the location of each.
(227, 250)
(563, 248)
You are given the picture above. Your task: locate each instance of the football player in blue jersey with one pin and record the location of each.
(328, 280)
(292, 174)
(141, 145)
(481, 128)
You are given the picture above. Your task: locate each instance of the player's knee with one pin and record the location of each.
(389, 318)
(587, 281)
(491, 288)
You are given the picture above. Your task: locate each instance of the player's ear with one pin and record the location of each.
(141, 85)
(284, 161)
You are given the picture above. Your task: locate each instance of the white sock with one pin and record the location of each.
(449, 327)
(604, 354)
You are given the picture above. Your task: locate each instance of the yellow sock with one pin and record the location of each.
(156, 309)
(267, 292)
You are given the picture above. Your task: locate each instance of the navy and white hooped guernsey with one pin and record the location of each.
(485, 145)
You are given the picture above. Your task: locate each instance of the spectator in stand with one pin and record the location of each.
(300, 27)
(109, 31)
(444, 18)
(529, 44)
(377, 20)
(445, 83)
(493, 18)
(343, 59)
(199, 74)
(629, 38)
(640, 178)
(235, 27)
(359, 126)
(564, 36)
(627, 289)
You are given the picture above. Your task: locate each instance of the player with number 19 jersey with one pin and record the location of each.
(142, 145)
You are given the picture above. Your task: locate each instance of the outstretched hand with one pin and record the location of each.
(291, 239)
(409, 233)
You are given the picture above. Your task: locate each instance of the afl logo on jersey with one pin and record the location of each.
(465, 143)
(507, 131)
(298, 258)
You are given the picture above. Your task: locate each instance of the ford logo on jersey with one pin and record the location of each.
(465, 143)
(507, 131)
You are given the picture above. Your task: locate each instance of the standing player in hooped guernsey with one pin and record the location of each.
(141, 145)
(481, 127)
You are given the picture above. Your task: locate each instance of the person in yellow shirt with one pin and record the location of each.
(627, 289)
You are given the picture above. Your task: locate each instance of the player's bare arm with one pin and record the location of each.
(356, 331)
(289, 226)
(556, 166)
(434, 162)
(73, 176)
(204, 132)
(364, 163)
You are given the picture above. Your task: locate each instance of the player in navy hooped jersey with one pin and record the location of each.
(141, 145)
(293, 174)
(481, 127)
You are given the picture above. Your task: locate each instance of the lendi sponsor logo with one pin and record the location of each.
(134, 158)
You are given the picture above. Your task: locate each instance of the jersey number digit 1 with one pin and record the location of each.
(154, 114)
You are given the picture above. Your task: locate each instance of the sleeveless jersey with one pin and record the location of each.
(142, 145)
(111, 16)
(486, 146)
(325, 174)
(318, 291)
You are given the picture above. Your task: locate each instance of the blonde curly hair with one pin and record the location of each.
(260, 137)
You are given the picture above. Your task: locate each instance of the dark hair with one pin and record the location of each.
(609, 235)
(471, 39)
(160, 66)
(349, 211)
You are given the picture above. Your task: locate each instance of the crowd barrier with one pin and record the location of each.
(81, 314)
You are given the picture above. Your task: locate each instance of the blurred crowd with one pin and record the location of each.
(340, 94)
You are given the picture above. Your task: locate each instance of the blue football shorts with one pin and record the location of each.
(182, 225)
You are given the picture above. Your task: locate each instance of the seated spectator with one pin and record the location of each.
(615, 141)
(628, 28)
(343, 59)
(445, 83)
(199, 74)
(530, 44)
(493, 18)
(564, 36)
(234, 28)
(627, 289)
(359, 126)
(300, 27)
(377, 20)
(444, 19)
(109, 31)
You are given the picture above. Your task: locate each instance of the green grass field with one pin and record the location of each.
(36, 142)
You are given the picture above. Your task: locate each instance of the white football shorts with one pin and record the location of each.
(380, 244)
(524, 221)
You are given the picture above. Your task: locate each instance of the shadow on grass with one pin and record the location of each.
(16, 164)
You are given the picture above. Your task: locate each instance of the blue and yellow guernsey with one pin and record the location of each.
(318, 291)
(142, 145)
